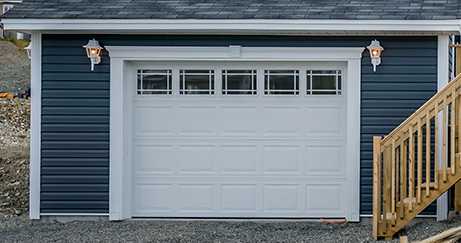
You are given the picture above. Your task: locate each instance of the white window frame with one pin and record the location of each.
(7, 7)
(120, 109)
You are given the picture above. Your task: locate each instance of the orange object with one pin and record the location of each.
(333, 222)
(6, 95)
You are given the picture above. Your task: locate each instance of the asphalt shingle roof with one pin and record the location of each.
(237, 9)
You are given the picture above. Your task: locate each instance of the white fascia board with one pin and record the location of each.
(237, 25)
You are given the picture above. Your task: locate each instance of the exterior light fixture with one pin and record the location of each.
(375, 53)
(93, 50)
(29, 50)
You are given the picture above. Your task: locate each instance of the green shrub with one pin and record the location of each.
(21, 44)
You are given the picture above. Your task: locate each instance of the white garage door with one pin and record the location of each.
(239, 140)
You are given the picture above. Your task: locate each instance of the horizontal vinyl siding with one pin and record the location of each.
(389, 96)
(75, 105)
(75, 132)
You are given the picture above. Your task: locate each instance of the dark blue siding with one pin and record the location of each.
(75, 105)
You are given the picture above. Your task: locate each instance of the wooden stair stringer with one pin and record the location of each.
(425, 202)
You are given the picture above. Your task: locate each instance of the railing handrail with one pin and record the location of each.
(423, 108)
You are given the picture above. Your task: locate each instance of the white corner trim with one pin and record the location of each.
(235, 25)
(35, 126)
(123, 56)
(442, 80)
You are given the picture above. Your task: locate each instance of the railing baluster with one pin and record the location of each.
(458, 123)
(403, 175)
(420, 160)
(436, 146)
(393, 177)
(376, 185)
(411, 177)
(386, 185)
(444, 140)
(452, 130)
(428, 153)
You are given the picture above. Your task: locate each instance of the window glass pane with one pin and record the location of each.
(242, 82)
(281, 82)
(324, 82)
(196, 82)
(154, 82)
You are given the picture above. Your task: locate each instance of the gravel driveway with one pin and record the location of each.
(20, 229)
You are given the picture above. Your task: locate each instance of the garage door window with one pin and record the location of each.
(323, 82)
(154, 82)
(239, 82)
(281, 82)
(193, 82)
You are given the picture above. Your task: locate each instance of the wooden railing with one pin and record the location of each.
(417, 162)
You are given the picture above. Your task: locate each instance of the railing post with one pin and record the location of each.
(457, 147)
(376, 185)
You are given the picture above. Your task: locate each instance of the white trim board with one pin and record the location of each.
(120, 108)
(236, 26)
(442, 80)
(35, 126)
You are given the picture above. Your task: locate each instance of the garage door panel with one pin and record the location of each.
(154, 198)
(282, 198)
(164, 122)
(239, 121)
(237, 198)
(325, 121)
(324, 199)
(327, 159)
(190, 198)
(161, 154)
(196, 120)
(273, 117)
(282, 159)
(197, 198)
(196, 159)
(239, 159)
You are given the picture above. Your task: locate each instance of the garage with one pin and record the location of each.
(239, 139)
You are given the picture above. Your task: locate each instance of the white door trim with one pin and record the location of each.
(120, 105)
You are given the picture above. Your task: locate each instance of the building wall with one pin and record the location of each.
(75, 106)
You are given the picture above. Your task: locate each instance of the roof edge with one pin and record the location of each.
(231, 25)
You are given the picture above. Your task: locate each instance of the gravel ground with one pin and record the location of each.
(14, 157)
(21, 229)
(14, 69)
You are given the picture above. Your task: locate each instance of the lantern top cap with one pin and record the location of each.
(93, 44)
(375, 45)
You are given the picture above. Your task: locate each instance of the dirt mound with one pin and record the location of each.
(14, 156)
(14, 68)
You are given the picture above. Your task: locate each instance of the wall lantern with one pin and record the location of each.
(375, 53)
(29, 50)
(93, 49)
